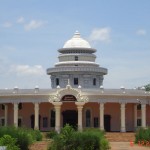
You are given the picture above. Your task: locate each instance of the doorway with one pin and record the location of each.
(70, 117)
(107, 119)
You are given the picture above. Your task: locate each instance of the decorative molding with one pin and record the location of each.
(72, 69)
(56, 97)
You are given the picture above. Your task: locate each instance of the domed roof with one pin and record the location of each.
(76, 42)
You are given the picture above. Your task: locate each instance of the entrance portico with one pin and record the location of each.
(99, 111)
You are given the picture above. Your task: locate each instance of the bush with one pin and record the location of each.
(38, 135)
(24, 137)
(104, 144)
(51, 134)
(9, 142)
(142, 136)
(69, 139)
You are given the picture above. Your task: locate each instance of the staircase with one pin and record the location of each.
(120, 137)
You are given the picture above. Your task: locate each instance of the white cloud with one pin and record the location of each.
(24, 70)
(100, 34)
(141, 32)
(20, 20)
(33, 24)
(7, 24)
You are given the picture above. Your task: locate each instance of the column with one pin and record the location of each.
(123, 126)
(101, 116)
(135, 116)
(143, 113)
(36, 116)
(57, 106)
(16, 114)
(80, 107)
(6, 114)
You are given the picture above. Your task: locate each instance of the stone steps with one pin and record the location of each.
(120, 137)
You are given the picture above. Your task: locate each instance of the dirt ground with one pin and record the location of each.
(127, 146)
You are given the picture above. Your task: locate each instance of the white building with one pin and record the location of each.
(77, 97)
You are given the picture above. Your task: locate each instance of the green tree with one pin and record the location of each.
(147, 87)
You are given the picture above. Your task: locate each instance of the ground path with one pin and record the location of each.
(126, 146)
(123, 141)
(41, 145)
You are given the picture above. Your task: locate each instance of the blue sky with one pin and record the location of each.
(31, 32)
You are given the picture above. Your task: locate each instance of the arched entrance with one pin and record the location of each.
(70, 117)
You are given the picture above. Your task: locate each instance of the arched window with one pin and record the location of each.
(139, 107)
(94, 81)
(75, 81)
(52, 119)
(88, 118)
(57, 81)
(76, 58)
(20, 106)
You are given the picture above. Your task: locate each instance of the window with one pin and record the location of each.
(94, 81)
(76, 58)
(139, 107)
(139, 122)
(20, 106)
(19, 122)
(57, 81)
(95, 122)
(3, 107)
(2, 122)
(45, 122)
(88, 118)
(52, 119)
(75, 81)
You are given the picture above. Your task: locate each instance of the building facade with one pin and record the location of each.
(77, 97)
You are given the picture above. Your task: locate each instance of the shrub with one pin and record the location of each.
(24, 137)
(38, 135)
(142, 136)
(69, 139)
(51, 134)
(104, 144)
(9, 142)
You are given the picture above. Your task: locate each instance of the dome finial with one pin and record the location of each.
(77, 34)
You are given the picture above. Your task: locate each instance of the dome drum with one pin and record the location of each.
(77, 58)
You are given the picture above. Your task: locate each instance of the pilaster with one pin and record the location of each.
(143, 113)
(123, 126)
(101, 116)
(57, 106)
(80, 107)
(16, 114)
(36, 118)
(6, 114)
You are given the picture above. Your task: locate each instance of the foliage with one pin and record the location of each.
(51, 134)
(24, 137)
(147, 87)
(9, 142)
(142, 135)
(38, 135)
(104, 144)
(69, 139)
